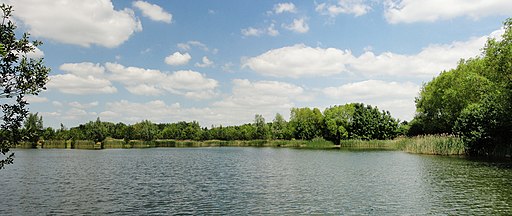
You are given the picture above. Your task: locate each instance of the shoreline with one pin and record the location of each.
(428, 145)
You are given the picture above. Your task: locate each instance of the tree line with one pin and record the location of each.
(473, 101)
(349, 121)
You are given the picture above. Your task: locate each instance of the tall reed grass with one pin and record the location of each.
(371, 144)
(432, 144)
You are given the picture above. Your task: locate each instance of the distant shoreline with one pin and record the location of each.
(430, 145)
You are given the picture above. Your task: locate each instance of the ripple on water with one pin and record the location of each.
(236, 181)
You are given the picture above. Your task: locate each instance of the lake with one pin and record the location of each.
(241, 181)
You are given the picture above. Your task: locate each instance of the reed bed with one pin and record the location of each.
(432, 144)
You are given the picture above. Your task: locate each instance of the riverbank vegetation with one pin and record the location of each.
(306, 128)
(431, 144)
(472, 101)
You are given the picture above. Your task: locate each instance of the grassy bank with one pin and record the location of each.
(431, 144)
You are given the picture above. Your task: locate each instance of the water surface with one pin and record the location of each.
(251, 181)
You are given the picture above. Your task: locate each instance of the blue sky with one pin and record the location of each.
(222, 62)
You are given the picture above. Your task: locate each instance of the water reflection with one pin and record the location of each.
(251, 181)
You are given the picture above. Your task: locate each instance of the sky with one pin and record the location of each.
(222, 62)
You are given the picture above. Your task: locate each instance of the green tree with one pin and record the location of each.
(49, 133)
(128, 134)
(95, 130)
(118, 130)
(279, 128)
(192, 131)
(261, 128)
(145, 130)
(170, 131)
(306, 123)
(337, 120)
(33, 128)
(247, 132)
(441, 100)
(370, 123)
(473, 101)
(62, 133)
(19, 76)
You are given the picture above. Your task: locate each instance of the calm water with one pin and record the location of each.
(240, 181)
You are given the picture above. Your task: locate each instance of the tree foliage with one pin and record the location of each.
(306, 123)
(473, 100)
(96, 130)
(33, 128)
(442, 99)
(279, 128)
(337, 122)
(145, 130)
(358, 121)
(262, 130)
(19, 76)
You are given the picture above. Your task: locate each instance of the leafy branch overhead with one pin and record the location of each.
(19, 76)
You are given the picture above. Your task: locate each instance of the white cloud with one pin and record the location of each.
(260, 94)
(409, 11)
(260, 97)
(190, 80)
(178, 59)
(285, 7)
(76, 114)
(144, 89)
(78, 105)
(299, 61)
(153, 11)
(133, 75)
(73, 84)
(303, 61)
(355, 7)
(205, 62)
(272, 31)
(83, 69)
(255, 32)
(251, 32)
(373, 90)
(298, 26)
(57, 103)
(228, 67)
(81, 79)
(35, 99)
(427, 63)
(81, 23)
(130, 112)
(88, 78)
(398, 98)
(36, 54)
(142, 81)
(201, 95)
(189, 44)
